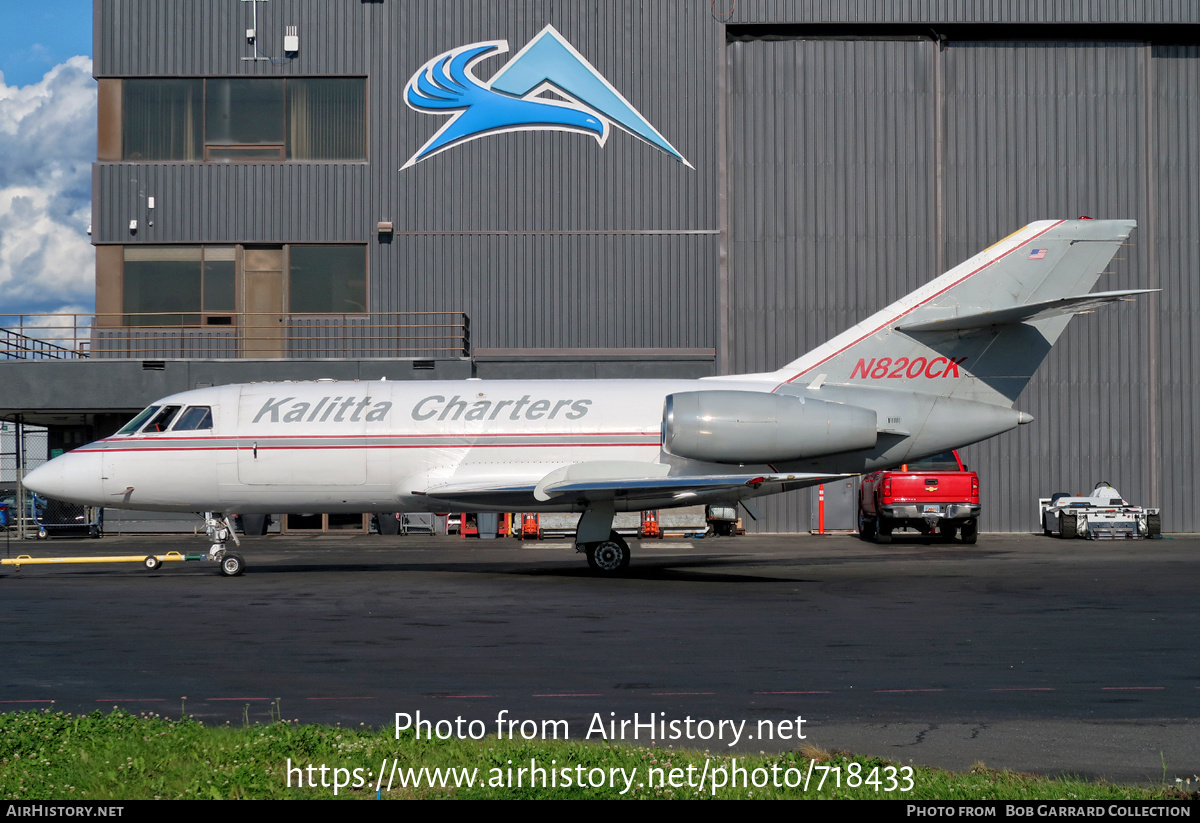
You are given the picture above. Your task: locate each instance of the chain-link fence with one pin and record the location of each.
(22, 449)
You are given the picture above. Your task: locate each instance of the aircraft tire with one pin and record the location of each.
(883, 531)
(609, 556)
(232, 565)
(152, 563)
(970, 533)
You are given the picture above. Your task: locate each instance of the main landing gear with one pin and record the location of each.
(219, 529)
(609, 556)
(607, 552)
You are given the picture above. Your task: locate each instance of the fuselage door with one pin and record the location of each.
(311, 442)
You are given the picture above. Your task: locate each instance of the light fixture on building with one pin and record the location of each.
(133, 226)
(384, 227)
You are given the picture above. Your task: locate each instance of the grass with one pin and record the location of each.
(48, 755)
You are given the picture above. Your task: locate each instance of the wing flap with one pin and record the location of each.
(590, 482)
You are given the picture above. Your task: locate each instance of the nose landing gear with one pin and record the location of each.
(219, 529)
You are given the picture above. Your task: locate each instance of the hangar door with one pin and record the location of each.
(858, 170)
(831, 202)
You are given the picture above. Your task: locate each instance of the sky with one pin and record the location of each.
(47, 146)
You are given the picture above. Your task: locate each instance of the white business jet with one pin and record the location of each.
(938, 369)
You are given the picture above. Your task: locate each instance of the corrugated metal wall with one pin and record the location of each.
(1047, 130)
(544, 239)
(831, 206)
(1174, 203)
(861, 168)
(958, 11)
(831, 176)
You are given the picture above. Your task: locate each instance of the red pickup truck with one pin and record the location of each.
(933, 495)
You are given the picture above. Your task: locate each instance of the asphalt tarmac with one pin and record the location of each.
(1022, 652)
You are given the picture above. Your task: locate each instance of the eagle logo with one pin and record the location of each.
(516, 97)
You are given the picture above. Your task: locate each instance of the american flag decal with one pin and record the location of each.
(1037, 254)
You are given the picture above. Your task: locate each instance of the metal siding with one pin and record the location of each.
(1037, 131)
(614, 204)
(832, 187)
(1176, 162)
(831, 200)
(232, 202)
(554, 291)
(958, 11)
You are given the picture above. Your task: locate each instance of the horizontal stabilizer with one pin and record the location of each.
(1079, 304)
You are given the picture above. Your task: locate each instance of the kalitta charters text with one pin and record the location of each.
(653, 726)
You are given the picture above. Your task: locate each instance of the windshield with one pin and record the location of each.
(943, 462)
(162, 421)
(136, 423)
(194, 419)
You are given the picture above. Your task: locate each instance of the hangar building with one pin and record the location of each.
(278, 203)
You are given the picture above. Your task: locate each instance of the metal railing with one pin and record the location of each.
(17, 346)
(241, 335)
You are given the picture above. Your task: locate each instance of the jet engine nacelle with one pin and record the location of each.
(759, 427)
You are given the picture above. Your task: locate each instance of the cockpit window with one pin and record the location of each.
(162, 420)
(194, 419)
(136, 423)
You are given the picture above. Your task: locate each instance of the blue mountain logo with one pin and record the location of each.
(515, 99)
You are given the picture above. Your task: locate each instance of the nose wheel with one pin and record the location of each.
(219, 530)
(232, 564)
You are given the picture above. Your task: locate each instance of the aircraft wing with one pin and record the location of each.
(590, 482)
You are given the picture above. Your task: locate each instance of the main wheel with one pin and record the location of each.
(609, 556)
(883, 530)
(970, 532)
(232, 565)
(151, 562)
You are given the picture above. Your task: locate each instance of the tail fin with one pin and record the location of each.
(980, 330)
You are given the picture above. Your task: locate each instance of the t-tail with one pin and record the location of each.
(981, 330)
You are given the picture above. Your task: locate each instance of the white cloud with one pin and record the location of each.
(47, 146)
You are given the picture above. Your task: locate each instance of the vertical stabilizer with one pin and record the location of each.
(979, 331)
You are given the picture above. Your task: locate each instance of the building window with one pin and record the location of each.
(327, 118)
(324, 279)
(162, 119)
(179, 285)
(204, 285)
(240, 119)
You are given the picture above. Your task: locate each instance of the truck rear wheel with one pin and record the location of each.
(970, 532)
(883, 530)
(866, 526)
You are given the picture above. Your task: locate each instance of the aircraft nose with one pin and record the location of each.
(74, 477)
